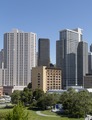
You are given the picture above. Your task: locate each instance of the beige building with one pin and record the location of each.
(46, 78)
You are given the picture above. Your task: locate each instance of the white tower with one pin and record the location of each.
(19, 57)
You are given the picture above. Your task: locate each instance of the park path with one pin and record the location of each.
(41, 114)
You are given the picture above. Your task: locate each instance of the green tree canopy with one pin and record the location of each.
(76, 104)
(37, 94)
(15, 97)
(26, 95)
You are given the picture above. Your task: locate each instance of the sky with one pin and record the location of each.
(46, 18)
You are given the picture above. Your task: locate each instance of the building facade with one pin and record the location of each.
(3, 74)
(1, 90)
(66, 55)
(91, 48)
(43, 52)
(82, 61)
(46, 78)
(90, 62)
(1, 57)
(88, 81)
(19, 57)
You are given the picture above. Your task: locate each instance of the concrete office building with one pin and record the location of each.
(66, 55)
(43, 52)
(3, 74)
(1, 57)
(82, 61)
(90, 62)
(88, 81)
(19, 57)
(46, 78)
(91, 48)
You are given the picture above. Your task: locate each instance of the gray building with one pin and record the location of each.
(90, 62)
(19, 57)
(66, 55)
(82, 56)
(88, 81)
(91, 48)
(1, 57)
(43, 52)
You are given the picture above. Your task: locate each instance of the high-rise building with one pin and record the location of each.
(88, 81)
(82, 61)
(3, 74)
(91, 48)
(43, 52)
(19, 57)
(66, 55)
(46, 78)
(1, 57)
(90, 62)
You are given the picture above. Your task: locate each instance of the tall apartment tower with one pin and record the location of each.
(82, 61)
(43, 52)
(19, 57)
(66, 55)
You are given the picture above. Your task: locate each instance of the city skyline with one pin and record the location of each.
(72, 57)
(46, 18)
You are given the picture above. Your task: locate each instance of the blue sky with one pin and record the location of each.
(46, 18)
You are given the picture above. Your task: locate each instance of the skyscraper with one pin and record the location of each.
(90, 63)
(67, 54)
(19, 57)
(82, 61)
(43, 52)
(91, 48)
(1, 57)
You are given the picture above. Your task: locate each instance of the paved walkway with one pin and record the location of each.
(41, 114)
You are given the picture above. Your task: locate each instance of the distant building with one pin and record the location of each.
(82, 61)
(46, 78)
(3, 74)
(68, 49)
(1, 90)
(91, 48)
(19, 57)
(43, 52)
(88, 81)
(1, 57)
(90, 62)
(8, 90)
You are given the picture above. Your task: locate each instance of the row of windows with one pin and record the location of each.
(57, 87)
(53, 84)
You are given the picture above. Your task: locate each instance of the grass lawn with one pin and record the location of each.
(34, 116)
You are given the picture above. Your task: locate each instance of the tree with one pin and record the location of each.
(41, 104)
(37, 94)
(26, 95)
(47, 100)
(29, 85)
(76, 104)
(15, 97)
(18, 113)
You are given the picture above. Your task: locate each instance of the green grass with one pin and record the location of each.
(34, 116)
(4, 112)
